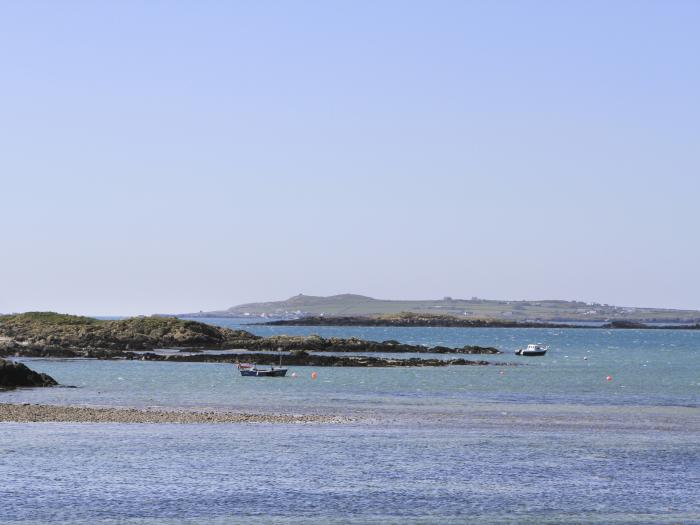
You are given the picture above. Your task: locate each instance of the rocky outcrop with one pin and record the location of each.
(408, 319)
(335, 344)
(45, 334)
(625, 324)
(55, 333)
(629, 325)
(14, 375)
(302, 358)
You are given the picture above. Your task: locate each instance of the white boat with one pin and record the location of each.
(534, 349)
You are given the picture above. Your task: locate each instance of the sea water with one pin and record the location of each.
(526, 440)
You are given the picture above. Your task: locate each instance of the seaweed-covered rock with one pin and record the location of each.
(315, 343)
(302, 358)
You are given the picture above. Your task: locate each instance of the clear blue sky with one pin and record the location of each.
(177, 156)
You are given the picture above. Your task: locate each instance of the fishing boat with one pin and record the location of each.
(254, 371)
(535, 349)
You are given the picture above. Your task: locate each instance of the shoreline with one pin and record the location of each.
(48, 334)
(680, 419)
(446, 321)
(266, 359)
(37, 413)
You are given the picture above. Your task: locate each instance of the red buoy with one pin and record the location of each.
(609, 378)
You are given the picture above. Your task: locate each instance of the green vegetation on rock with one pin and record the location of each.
(49, 318)
(49, 329)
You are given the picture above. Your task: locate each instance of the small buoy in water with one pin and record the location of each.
(314, 375)
(501, 372)
(609, 378)
(585, 358)
(294, 374)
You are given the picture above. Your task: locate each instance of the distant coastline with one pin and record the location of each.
(408, 319)
(540, 311)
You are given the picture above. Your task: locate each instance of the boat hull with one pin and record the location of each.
(253, 372)
(535, 353)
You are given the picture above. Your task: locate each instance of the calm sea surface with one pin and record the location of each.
(547, 441)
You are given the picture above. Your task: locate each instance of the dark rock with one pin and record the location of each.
(625, 324)
(306, 359)
(16, 374)
(315, 343)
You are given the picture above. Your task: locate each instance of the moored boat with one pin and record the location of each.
(254, 371)
(535, 349)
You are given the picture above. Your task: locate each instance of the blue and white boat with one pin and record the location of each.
(252, 370)
(535, 349)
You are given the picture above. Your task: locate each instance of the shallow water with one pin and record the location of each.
(223, 474)
(549, 441)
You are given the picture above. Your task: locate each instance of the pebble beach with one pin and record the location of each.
(33, 413)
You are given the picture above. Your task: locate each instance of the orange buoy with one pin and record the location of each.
(314, 375)
(609, 378)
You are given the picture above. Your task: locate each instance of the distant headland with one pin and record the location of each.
(549, 311)
(409, 319)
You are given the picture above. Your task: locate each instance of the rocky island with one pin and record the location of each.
(411, 319)
(47, 334)
(408, 319)
(631, 325)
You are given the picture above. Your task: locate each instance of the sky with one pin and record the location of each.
(183, 156)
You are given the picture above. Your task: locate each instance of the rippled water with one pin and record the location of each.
(549, 441)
